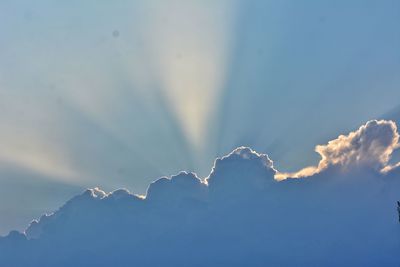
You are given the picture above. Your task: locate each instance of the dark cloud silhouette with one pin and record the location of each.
(239, 215)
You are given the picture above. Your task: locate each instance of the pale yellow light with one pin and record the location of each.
(190, 47)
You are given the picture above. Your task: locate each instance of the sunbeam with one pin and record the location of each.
(189, 42)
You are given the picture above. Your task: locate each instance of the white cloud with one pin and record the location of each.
(370, 146)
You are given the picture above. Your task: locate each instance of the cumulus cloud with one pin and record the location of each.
(239, 215)
(182, 187)
(370, 146)
(243, 169)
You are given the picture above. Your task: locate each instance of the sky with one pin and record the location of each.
(117, 94)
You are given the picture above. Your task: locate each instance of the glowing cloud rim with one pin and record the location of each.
(370, 146)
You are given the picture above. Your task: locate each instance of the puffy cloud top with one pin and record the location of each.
(241, 170)
(368, 147)
(371, 145)
(246, 153)
(182, 187)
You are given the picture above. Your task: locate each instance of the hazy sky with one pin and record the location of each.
(118, 93)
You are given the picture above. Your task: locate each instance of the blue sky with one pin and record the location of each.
(116, 94)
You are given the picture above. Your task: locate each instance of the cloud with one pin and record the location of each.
(182, 187)
(239, 215)
(370, 146)
(243, 170)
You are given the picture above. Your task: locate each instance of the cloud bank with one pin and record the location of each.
(342, 214)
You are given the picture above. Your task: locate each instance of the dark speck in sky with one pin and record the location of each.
(115, 33)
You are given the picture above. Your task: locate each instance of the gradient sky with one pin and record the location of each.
(118, 93)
